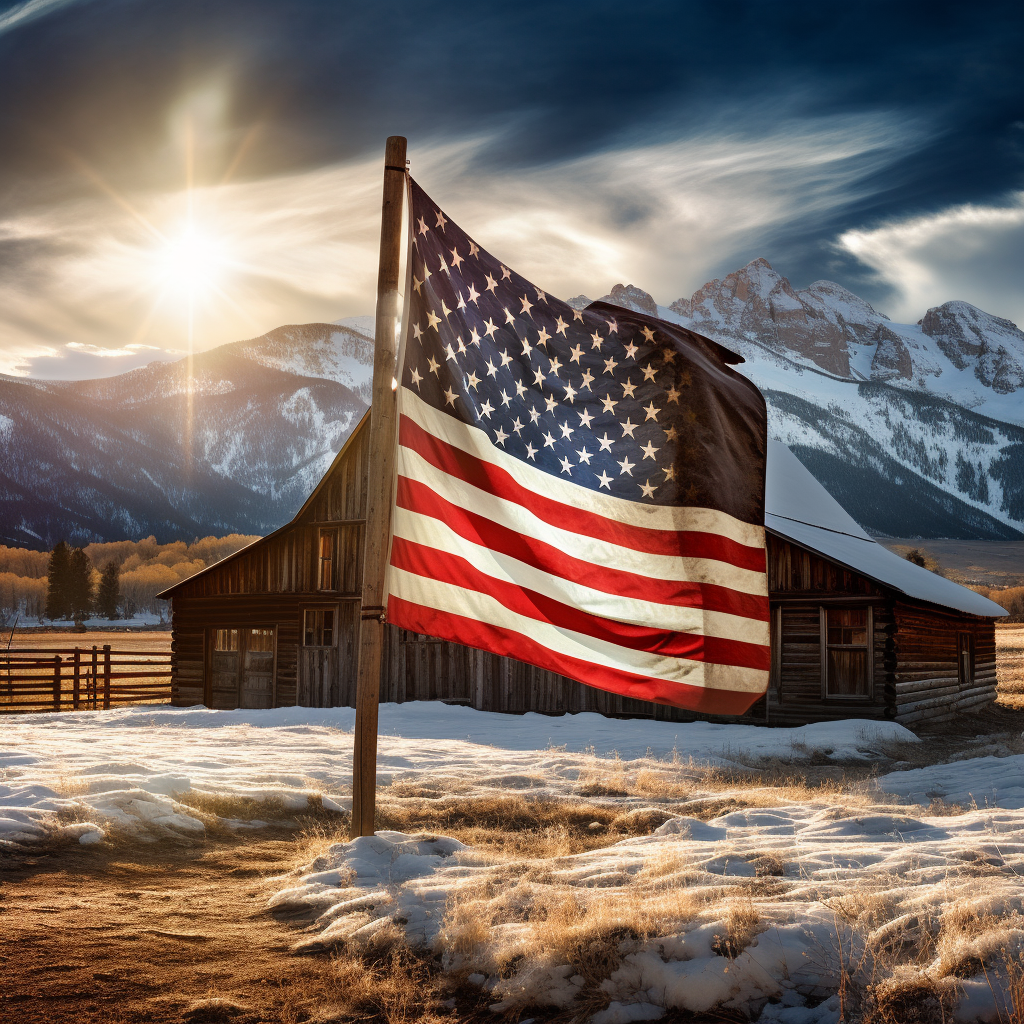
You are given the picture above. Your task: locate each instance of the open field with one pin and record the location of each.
(855, 872)
(996, 563)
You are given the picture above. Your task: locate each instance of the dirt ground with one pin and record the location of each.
(179, 934)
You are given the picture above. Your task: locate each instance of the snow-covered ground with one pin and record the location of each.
(760, 909)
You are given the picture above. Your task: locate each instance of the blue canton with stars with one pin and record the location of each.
(612, 400)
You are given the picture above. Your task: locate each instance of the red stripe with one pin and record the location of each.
(510, 644)
(471, 526)
(499, 482)
(446, 568)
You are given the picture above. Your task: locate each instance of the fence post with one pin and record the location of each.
(106, 677)
(92, 682)
(76, 691)
(56, 682)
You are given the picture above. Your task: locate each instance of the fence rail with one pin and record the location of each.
(81, 678)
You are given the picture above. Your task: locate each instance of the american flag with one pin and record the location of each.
(579, 489)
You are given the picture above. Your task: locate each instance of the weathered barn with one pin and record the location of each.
(856, 631)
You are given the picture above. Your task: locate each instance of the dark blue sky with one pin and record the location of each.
(767, 129)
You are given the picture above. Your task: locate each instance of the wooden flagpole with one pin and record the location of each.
(380, 470)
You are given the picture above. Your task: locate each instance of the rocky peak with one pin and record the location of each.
(969, 335)
(578, 302)
(631, 297)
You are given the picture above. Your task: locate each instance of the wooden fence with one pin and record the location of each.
(81, 678)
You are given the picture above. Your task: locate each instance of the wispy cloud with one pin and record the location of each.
(22, 13)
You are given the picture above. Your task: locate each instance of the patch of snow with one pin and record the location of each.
(976, 781)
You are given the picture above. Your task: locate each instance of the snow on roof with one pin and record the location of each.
(799, 508)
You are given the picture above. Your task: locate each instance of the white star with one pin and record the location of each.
(449, 396)
(462, 302)
(585, 418)
(473, 293)
(444, 266)
(417, 331)
(668, 354)
(538, 376)
(577, 314)
(506, 274)
(609, 403)
(556, 365)
(441, 220)
(491, 283)
(648, 333)
(625, 466)
(423, 226)
(520, 388)
(432, 319)
(541, 296)
(670, 473)
(628, 428)
(575, 353)
(500, 436)
(509, 318)
(534, 415)
(628, 388)
(585, 456)
(649, 372)
(473, 249)
(606, 480)
(648, 489)
(673, 394)
(486, 409)
(432, 365)
(472, 380)
(527, 304)
(456, 259)
(567, 431)
(462, 347)
(671, 434)
(570, 392)
(542, 336)
(652, 413)
(530, 451)
(605, 442)
(596, 343)
(505, 398)
(649, 450)
(517, 426)
(549, 441)
(551, 402)
(417, 284)
(609, 365)
(613, 327)
(416, 377)
(566, 466)
(474, 338)
(491, 368)
(560, 326)
(527, 348)
(588, 378)
(505, 357)
(449, 351)
(631, 351)
(489, 328)
(444, 309)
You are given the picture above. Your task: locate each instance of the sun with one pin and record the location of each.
(193, 261)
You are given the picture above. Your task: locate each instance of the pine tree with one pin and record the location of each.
(58, 601)
(108, 597)
(79, 584)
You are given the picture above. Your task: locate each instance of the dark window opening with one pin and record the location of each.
(225, 639)
(260, 641)
(965, 658)
(847, 666)
(327, 560)
(318, 628)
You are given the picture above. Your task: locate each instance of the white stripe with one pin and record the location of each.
(431, 532)
(446, 597)
(475, 441)
(598, 552)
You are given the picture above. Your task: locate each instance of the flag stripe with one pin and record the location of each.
(456, 600)
(417, 497)
(457, 571)
(686, 609)
(492, 479)
(501, 640)
(473, 441)
(518, 519)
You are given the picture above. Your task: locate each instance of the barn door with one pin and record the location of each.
(318, 659)
(224, 666)
(257, 684)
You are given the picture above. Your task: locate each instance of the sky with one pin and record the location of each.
(186, 173)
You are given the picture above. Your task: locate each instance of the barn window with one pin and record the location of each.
(225, 639)
(846, 666)
(318, 628)
(260, 641)
(327, 560)
(965, 658)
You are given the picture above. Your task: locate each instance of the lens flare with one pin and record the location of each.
(192, 261)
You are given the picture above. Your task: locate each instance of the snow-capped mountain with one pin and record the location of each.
(917, 429)
(233, 443)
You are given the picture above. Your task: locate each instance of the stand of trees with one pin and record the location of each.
(114, 580)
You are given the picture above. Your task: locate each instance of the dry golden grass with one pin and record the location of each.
(1010, 658)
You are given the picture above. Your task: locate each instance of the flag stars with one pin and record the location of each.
(542, 336)
(551, 402)
(567, 431)
(609, 365)
(417, 283)
(605, 442)
(605, 480)
(673, 394)
(587, 380)
(474, 249)
(595, 341)
(449, 396)
(489, 328)
(422, 225)
(417, 332)
(648, 489)
(649, 451)
(652, 412)
(556, 365)
(509, 318)
(538, 376)
(577, 314)
(534, 415)
(473, 293)
(461, 303)
(492, 370)
(472, 380)
(416, 377)
(432, 319)
(549, 441)
(584, 456)
(650, 373)
(506, 274)
(669, 355)
(609, 404)
(628, 427)
(491, 283)
(527, 305)
(506, 399)
(613, 327)
(566, 466)
(442, 220)
(531, 452)
(433, 365)
(671, 434)
(517, 426)
(500, 437)
(626, 467)
(585, 418)
(486, 409)
(456, 258)
(474, 337)
(505, 357)
(520, 389)
(450, 352)
(631, 351)
(576, 352)
(670, 473)
(560, 326)
(628, 388)
(648, 333)
(570, 392)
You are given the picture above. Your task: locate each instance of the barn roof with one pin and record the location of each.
(799, 509)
